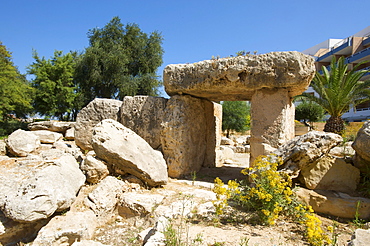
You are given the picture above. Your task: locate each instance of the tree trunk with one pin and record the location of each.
(334, 124)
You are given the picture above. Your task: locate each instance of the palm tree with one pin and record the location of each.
(338, 90)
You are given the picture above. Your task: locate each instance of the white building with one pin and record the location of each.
(355, 49)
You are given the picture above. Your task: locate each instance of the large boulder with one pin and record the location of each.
(22, 143)
(35, 188)
(122, 148)
(52, 125)
(66, 229)
(335, 203)
(306, 149)
(97, 110)
(144, 115)
(361, 146)
(12, 232)
(330, 173)
(237, 78)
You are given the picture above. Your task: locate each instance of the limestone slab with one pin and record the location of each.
(144, 115)
(123, 149)
(236, 78)
(97, 110)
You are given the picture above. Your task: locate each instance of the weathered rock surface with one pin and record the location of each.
(70, 134)
(88, 243)
(227, 152)
(227, 141)
(66, 229)
(125, 150)
(52, 125)
(96, 111)
(361, 146)
(237, 78)
(21, 143)
(103, 200)
(94, 169)
(34, 189)
(335, 203)
(144, 115)
(2, 147)
(134, 204)
(330, 173)
(272, 119)
(183, 133)
(344, 150)
(361, 237)
(48, 137)
(306, 149)
(12, 232)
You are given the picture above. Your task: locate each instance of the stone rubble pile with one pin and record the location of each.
(330, 177)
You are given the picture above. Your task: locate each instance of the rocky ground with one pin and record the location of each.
(200, 230)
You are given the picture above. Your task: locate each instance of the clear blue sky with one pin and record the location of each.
(193, 30)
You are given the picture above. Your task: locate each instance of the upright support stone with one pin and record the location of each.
(188, 135)
(272, 117)
(213, 114)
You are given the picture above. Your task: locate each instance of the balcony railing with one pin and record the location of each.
(336, 48)
(366, 42)
(358, 55)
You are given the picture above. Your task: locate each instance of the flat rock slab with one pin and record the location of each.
(237, 78)
(123, 149)
(335, 203)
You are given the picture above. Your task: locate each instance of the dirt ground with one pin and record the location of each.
(200, 231)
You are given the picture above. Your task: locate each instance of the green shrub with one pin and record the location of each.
(9, 126)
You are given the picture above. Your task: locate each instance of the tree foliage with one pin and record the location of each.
(309, 111)
(338, 90)
(121, 60)
(55, 91)
(235, 116)
(15, 91)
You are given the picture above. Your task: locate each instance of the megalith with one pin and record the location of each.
(269, 81)
(190, 134)
(97, 110)
(144, 115)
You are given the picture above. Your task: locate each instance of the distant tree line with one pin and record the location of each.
(120, 61)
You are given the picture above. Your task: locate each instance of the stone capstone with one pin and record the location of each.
(35, 188)
(144, 115)
(330, 173)
(97, 110)
(237, 78)
(306, 149)
(21, 143)
(122, 148)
